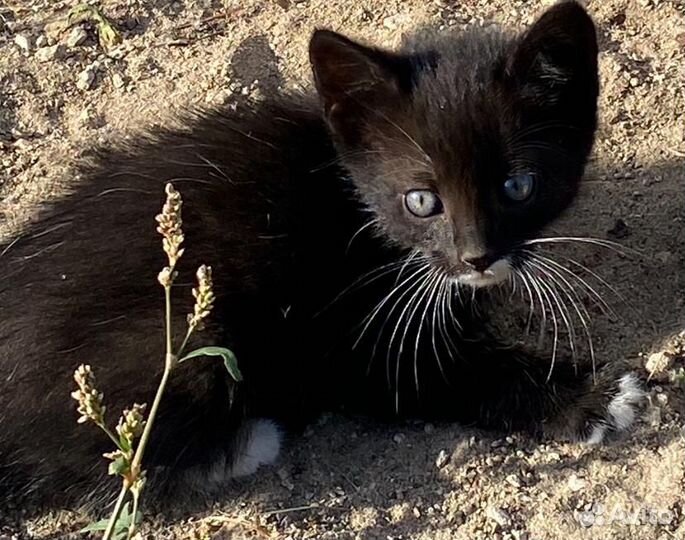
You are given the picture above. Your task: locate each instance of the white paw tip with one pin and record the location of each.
(621, 409)
(597, 435)
(262, 446)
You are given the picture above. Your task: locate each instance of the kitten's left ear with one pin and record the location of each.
(353, 80)
(557, 57)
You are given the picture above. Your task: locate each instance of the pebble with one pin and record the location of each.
(41, 41)
(86, 79)
(620, 228)
(77, 36)
(498, 515)
(442, 459)
(658, 364)
(118, 81)
(653, 416)
(284, 477)
(394, 21)
(46, 54)
(664, 256)
(399, 438)
(389, 23)
(513, 480)
(23, 42)
(575, 483)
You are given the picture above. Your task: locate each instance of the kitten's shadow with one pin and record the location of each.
(255, 60)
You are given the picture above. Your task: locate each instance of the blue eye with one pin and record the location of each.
(519, 187)
(423, 202)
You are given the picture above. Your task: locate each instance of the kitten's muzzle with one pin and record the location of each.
(479, 263)
(485, 272)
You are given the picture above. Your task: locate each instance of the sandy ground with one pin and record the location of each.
(346, 478)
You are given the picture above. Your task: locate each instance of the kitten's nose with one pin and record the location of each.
(480, 263)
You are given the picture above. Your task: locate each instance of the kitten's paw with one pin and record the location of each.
(621, 410)
(262, 446)
(258, 443)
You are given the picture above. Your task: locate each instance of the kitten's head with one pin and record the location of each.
(466, 149)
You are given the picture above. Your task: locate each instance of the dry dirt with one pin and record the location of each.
(348, 478)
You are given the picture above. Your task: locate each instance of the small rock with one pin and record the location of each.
(519, 535)
(416, 512)
(513, 480)
(498, 515)
(575, 483)
(442, 459)
(662, 399)
(41, 41)
(389, 23)
(118, 81)
(23, 42)
(86, 79)
(394, 21)
(658, 364)
(634, 81)
(682, 432)
(653, 416)
(77, 36)
(619, 230)
(497, 443)
(663, 256)
(46, 54)
(554, 456)
(399, 438)
(284, 477)
(428, 428)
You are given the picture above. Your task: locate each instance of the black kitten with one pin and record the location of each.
(344, 248)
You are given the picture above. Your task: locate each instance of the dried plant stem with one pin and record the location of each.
(170, 363)
(126, 461)
(134, 513)
(185, 342)
(111, 435)
(115, 513)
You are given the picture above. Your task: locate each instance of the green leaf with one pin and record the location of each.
(121, 526)
(108, 35)
(230, 361)
(118, 466)
(124, 444)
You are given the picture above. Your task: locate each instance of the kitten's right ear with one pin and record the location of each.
(556, 59)
(352, 79)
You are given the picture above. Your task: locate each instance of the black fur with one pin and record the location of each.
(277, 199)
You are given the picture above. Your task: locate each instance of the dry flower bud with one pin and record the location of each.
(139, 483)
(169, 225)
(131, 423)
(204, 297)
(166, 276)
(89, 400)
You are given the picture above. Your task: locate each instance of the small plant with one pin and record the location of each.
(108, 35)
(132, 432)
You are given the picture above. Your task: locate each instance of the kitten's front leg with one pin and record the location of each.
(512, 389)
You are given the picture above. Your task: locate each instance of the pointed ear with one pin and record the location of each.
(557, 57)
(352, 79)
